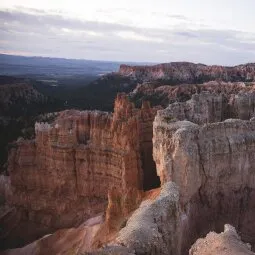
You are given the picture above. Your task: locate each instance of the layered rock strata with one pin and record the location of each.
(205, 163)
(164, 95)
(64, 175)
(209, 107)
(213, 165)
(185, 72)
(208, 179)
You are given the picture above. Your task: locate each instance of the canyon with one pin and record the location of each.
(147, 180)
(13, 91)
(20, 105)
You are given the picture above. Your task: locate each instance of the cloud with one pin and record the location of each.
(186, 34)
(179, 17)
(55, 34)
(42, 19)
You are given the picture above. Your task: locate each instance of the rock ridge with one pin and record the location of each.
(185, 72)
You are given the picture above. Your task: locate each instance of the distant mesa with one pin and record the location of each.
(185, 72)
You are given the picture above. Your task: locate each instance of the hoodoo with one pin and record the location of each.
(63, 176)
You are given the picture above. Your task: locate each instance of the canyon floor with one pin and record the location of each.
(170, 171)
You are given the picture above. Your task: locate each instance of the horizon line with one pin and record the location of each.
(118, 61)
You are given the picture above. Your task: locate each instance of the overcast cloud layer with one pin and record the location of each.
(138, 33)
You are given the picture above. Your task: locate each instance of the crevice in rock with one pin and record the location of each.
(150, 178)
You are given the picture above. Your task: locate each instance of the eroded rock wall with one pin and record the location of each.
(64, 175)
(164, 94)
(213, 107)
(205, 164)
(185, 72)
(208, 179)
(213, 165)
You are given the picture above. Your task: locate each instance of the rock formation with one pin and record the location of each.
(91, 162)
(207, 175)
(185, 72)
(64, 241)
(209, 107)
(64, 175)
(164, 95)
(213, 165)
(225, 243)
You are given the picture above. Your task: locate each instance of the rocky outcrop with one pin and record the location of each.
(209, 107)
(164, 95)
(207, 175)
(185, 72)
(213, 165)
(86, 163)
(64, 175)
(64, 241)
(225, 243)
(154, 228)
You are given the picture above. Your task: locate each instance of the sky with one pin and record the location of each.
(201, 31)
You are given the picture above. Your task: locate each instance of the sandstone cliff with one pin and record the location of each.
(185, 72)
(64, 175)
(209, 107)
(213, 165)
(164, 95)
(207, 176)
(91, 162)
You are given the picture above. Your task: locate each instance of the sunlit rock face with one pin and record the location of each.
(64, 175)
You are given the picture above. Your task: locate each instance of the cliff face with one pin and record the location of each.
(184, 72)
(90, 162)
(207, 177)
(164, 95)
(64, 175)
(209, 107)
(214, 167)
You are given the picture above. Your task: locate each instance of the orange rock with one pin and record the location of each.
(64, 175)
